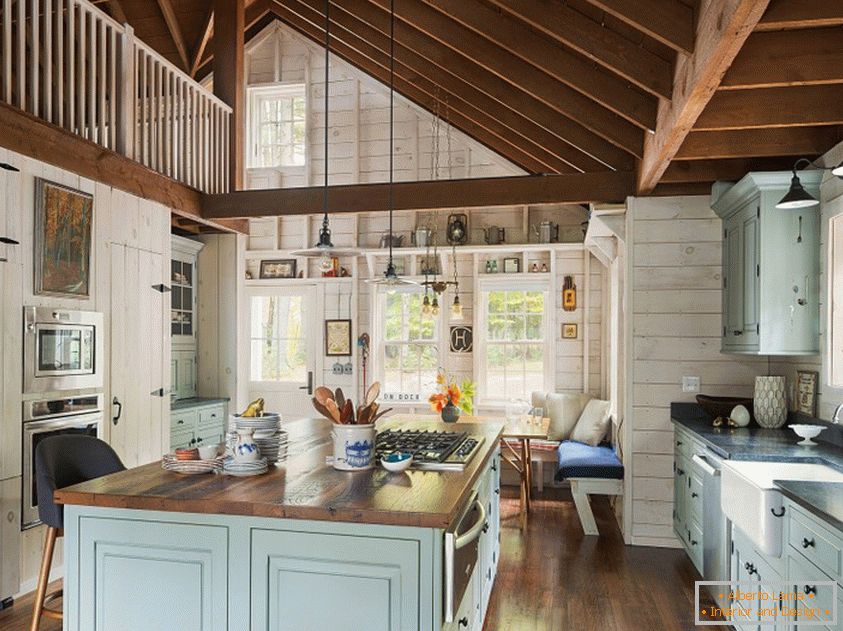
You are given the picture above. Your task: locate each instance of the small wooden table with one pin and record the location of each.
(520, 431)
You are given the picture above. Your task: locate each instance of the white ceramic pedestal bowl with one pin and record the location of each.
(807, 432)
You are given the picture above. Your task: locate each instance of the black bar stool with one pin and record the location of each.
(62, 461)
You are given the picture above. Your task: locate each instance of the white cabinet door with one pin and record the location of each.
(11, 333)
(139, 378)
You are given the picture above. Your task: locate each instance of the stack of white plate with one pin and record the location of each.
(191, 467)
(270, 439)
(244, 469)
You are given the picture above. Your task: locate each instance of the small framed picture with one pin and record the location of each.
(569, 331)
(338, 338)
(806, 392)
(279, 268)
(511, 265)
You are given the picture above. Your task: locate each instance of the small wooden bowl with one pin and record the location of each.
(187, 454)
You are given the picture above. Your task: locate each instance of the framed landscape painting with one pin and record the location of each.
(64, 219)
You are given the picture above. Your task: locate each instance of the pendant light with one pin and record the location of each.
(324, 249)
(390, 276)
(797, 197)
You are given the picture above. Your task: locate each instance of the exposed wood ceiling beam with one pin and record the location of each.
(117, 12)
(502, 144)
(175, 31)
(255, 13)
(681, 171)
(542, 52)
(527, 77)
(508, 126)
(577, 188)
(773, 107)
(30, 136)
(669, 21)
(800, 14)
(204, 35)
(788, 58)
(681, 189)
(748, 143)
(365, 28)
(571, 28)
(722, 30)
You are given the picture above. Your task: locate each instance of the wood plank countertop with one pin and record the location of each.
(304, 487)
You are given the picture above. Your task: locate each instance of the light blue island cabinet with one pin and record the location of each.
(163, 565)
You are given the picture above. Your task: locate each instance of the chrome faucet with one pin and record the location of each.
(835, 418)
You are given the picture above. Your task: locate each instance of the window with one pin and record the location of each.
(513, 346)
(409, 352)
(278, 339)
(278, 125)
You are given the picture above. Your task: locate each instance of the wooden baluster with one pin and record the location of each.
(166, 165)
(92, 76)
(48, 60)
(34, 62)
(71, 64)
(159, 116)
(102, 84)
(114, 90)
(21, 69)
(144, 134)
(7, 51)
(59, 55)
(81, 78)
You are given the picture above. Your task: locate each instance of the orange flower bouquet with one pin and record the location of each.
(450, 398)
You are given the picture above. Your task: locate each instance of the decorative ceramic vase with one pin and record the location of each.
(246, 449)
(354, 447)
(770, 402)
(450, 413)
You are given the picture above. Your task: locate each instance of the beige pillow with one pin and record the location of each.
(593, 424)
(538, 399)
(563, 410)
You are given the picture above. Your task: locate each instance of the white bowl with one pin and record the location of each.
(807, 432)
(397, 465)
(207, 452)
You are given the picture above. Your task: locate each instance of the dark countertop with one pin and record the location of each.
(824, 499)
(196, 402)
(304, 487)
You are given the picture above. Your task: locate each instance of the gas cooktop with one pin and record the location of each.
(432, 451)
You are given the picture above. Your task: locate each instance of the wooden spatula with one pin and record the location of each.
(373, 392)
(331, 405)
(322, 409)
(323, 395)
(347, 413)
(339, 397)
(380, 414)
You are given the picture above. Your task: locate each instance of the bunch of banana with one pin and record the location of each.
(255, 408)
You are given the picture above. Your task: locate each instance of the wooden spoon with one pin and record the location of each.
(322, 409)
(331, 405)
(361, 415)
(339, 397)
(347, 413)
(323, 395)
(380, 414)
(373, 392)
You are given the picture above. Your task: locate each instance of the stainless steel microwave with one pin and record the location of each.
(63, 350)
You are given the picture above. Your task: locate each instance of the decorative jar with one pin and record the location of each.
(770, 402)
(246, 449)
(450, 413)
(354, 447)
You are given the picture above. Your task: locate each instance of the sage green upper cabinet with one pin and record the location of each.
(770, 266)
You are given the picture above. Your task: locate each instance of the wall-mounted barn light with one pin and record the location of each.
(797, 197)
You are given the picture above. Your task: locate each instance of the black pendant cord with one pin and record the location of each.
(391, 268)
(325, 233)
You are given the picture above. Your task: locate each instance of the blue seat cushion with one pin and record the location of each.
(578, 460)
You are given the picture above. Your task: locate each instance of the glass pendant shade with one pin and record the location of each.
(797, 197)
(325, 262)
(456, 309)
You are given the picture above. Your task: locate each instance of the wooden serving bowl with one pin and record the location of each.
(187, 454)
(723, 406)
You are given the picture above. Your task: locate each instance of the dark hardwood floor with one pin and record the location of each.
(553, 578)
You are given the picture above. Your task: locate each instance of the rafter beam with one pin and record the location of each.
(775, 107)
(748, 143)
(175, 31)
(255, 12)
(788, 58)
(202, 42)
(519, 73)
(417, 91)
(578, 188)
(573, 29)
(669, 21)
(801, 14)
(117, 11)
(722, 30)
(683, 171)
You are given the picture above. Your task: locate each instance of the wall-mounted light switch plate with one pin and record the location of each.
(690, 384)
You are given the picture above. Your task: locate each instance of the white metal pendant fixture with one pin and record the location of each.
(390, 276)
(324, 249)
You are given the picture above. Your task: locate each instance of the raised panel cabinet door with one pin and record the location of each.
(318, 582)
(11, 375)
(680, 486)
(733, 282)
(151, 576)
(751, 275)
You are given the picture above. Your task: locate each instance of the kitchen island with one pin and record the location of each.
(303, 547)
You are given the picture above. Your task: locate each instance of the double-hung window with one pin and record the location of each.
(407, 344)
(513, 343)
(277, 125)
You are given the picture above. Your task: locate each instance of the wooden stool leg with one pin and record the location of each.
(43, 577)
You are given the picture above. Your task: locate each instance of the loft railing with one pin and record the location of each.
(68, 63)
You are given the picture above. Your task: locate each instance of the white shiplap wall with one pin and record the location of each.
(675, 305)
(359, 122)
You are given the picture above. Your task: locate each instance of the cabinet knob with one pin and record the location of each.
(679, 443)
(486, 527)
(463, 621)
(807, 543)
(810, 589)
(199, 440)
(192, 441)
(695, 494)
(737, 332)
(680, 471)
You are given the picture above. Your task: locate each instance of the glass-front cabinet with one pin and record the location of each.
(183, 304)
